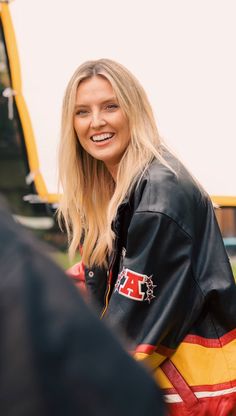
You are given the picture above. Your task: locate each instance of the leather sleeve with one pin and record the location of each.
(159, 249)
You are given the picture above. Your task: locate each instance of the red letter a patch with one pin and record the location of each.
(130, 284)
(131, 287)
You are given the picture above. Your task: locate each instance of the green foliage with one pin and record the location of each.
(62, 258)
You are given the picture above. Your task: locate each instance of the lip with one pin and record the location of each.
(102, 132)
(104, 142)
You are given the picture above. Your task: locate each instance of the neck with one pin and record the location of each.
(113, 171)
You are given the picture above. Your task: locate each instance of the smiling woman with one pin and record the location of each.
(149, 240)
(102, 97)
(100, 123)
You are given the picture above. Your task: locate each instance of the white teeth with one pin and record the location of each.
(101, 137)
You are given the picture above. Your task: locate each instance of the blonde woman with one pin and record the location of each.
(153, 259)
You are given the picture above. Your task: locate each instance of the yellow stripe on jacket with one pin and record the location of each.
(199, 365)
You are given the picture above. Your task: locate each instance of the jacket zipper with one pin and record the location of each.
(108, 289)
(109, 273)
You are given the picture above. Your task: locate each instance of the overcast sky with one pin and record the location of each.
(183, 52)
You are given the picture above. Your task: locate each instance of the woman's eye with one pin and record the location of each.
(112, 107)
(81, 113)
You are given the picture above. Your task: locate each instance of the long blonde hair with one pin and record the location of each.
(90, 197)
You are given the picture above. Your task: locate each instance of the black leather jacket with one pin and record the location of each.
(170, 282)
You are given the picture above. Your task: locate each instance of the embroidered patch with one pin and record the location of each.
(135, 286)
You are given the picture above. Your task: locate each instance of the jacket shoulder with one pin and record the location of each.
(172, 191)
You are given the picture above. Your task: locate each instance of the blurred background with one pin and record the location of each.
(183, 54)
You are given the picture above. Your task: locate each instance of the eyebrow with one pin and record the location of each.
(112, 98)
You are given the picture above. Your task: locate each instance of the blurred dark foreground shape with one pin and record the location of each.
(56, 358)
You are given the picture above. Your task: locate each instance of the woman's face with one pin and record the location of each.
(100, 124)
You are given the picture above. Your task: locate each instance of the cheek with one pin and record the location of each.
(124, 127)
(82, 145)
(78, 129)
(126, 133)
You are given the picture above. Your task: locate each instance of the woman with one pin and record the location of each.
(152, 253)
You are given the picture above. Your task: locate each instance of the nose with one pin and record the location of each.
(97, 120)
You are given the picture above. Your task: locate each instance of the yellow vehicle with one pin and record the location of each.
(20, 177)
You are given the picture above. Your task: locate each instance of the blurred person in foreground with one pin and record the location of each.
(153, 258)
(56, 357)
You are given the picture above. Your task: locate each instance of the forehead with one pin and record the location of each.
(94, 89)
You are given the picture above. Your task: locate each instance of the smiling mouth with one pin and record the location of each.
(101, 137)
